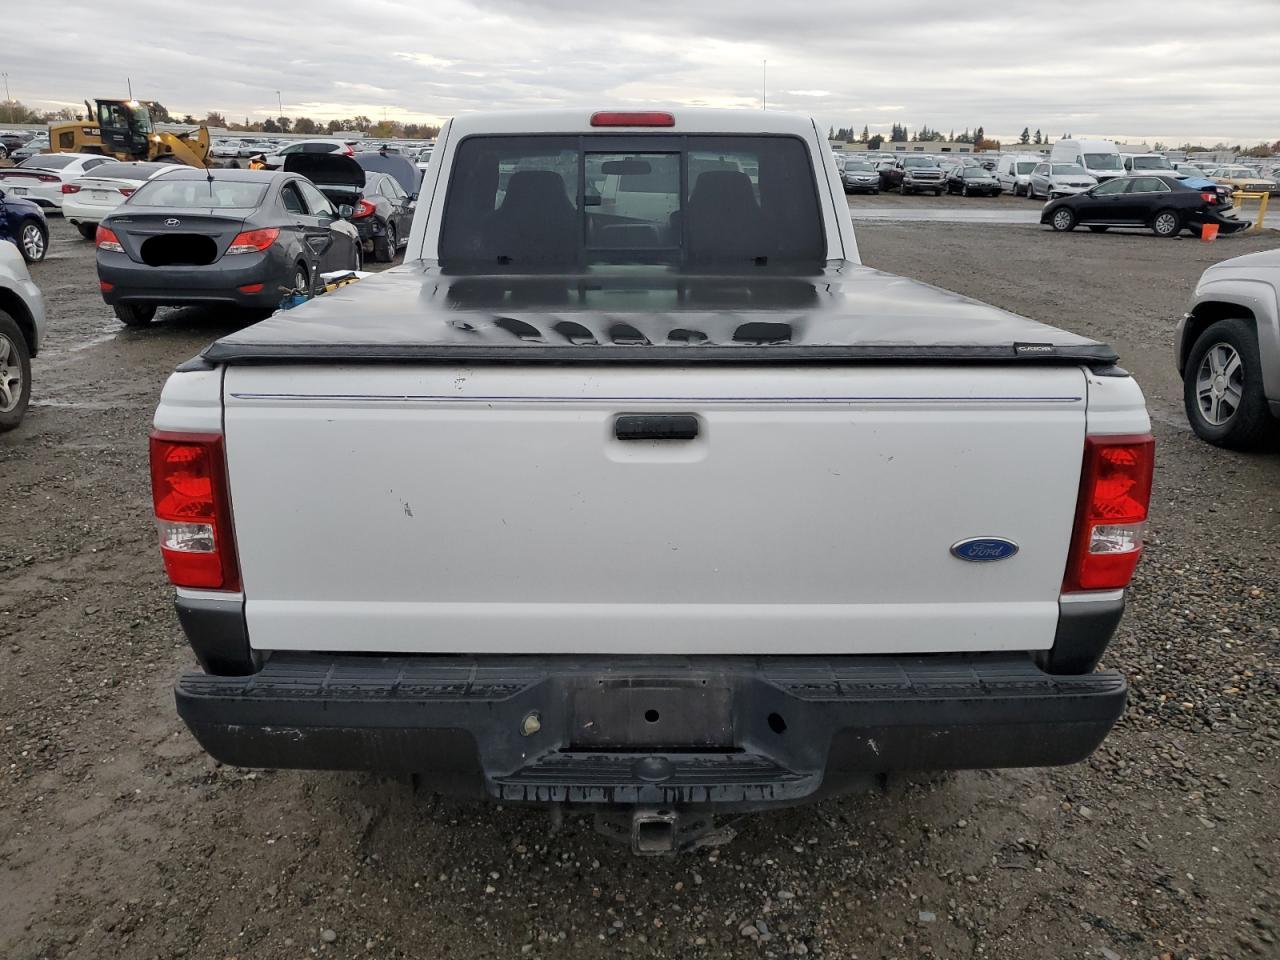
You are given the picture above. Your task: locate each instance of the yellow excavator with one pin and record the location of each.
(123, 129)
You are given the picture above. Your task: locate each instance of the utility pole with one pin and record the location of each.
(764, 87)
(280, 104)
(7, 98)
(129, 83)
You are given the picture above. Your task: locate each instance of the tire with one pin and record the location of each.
(88, 230)
(302, 280)
(875, 192)
(1245, 424)
(1099, 229)
(135, 314)
(357, 256)
(33, 240)
(4, 152)
(1166, 223)
(384, 247)
(964, 191)
(15, 373)
(902, 189)
(1063, 220)
(937, 192)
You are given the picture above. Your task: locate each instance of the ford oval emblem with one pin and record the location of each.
(984, 549)
(173, 222)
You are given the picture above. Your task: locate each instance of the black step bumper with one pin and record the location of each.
(739, 731)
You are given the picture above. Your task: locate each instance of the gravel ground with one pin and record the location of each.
(119, 838)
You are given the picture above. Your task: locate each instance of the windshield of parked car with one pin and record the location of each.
(975, 173)
(858, 166)
(49, 161)
(199, 193)
(1069, 170)
(1233, 173)
(919, 162)
(1151, 163)
(564, 201)
(1102, 161)
(1025, 166)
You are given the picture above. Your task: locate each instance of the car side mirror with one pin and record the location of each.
(345, 210)
(326, 219)
(413, 197)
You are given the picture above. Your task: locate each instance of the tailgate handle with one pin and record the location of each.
(656, 426)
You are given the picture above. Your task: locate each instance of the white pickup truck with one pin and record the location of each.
(633, 488)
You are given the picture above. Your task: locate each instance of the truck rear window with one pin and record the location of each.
(574, 201)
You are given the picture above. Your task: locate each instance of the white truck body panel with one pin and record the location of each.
(427, 508)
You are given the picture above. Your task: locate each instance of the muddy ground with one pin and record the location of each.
(120, 838)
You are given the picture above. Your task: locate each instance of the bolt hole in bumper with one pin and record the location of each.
(739, 733)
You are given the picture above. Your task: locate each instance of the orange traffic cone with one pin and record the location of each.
(1209, 232)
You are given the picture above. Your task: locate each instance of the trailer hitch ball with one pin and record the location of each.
(531, 723)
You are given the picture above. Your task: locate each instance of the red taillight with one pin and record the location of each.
(363, 209)
(250, 288)
(127, 191)
(642, 118)
(70, 187)
(106, 239)
(106, 287)
(193, 512)
(348, 151)
(1208, 197)
(1111, 517)
(254, 241)
(47, 178)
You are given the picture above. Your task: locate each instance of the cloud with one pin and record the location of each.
(1143, 69)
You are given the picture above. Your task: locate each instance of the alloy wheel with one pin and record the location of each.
(1062, 219)
(1220, 384)
(10, 376)
(33, 241)
(1166, 224)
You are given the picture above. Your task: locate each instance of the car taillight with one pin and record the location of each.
(106, 239)
(640, 118)
(193, 511)
(127, 191)
(254, 241)
(70, 188)
(1111, 517)
(363, 209)
(1209, 197)
(47, 178)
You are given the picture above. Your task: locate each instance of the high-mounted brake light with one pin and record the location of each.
(71, 188)
(253, 241)
(193, 512)
(1111, 517)
(364, 208)
(107, 240)
(641, 118)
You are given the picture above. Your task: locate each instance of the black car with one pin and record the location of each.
(973, 181)
(1164, 204)
(22, 222)
(246, 238)
(10, 142)
(375, 203)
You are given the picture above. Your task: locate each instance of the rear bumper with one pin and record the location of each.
(218, 282)
(738, 731)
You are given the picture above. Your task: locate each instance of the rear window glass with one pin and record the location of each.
(198, 193)
(570, 201)
(130, 171)
(49, 161)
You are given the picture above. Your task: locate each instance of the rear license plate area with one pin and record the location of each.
(680, 716)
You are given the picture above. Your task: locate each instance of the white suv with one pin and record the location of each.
(21, 327)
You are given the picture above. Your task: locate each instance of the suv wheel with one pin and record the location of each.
(1222, 387)
(15, 373)
(384, 247)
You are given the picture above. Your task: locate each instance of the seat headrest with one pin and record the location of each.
(526, 185)
(730, 188)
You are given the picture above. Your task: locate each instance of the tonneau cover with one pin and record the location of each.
(844, 313)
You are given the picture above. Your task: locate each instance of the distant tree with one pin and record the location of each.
(898, 134)
(866, 133)
(15, 111)
(979, 135)
(1025, 137)
(159, 112)
(1158, 146)
(359, 122)
(831, 133)
(188, 118)
(283, 123)
(56, 116)
(305, 125)
(1038, 139)
(985, 144)
(270, 126)
(874, 143)
(214, 119)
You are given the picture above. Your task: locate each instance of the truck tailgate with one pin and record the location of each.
(492, 509)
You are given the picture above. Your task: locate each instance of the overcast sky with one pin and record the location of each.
(1170, 70)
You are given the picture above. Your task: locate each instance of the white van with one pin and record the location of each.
(1014, 171)
(1138, 164)
(1100, 158)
